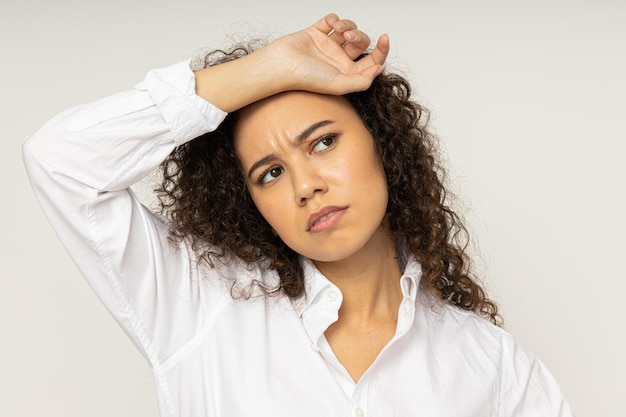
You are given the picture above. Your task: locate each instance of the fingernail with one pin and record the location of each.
(350, 35)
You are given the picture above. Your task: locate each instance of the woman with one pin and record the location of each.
(310, 265)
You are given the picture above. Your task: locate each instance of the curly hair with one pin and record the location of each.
(204, 193)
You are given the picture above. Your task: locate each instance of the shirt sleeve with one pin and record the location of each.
(81, 165)
(529, 389)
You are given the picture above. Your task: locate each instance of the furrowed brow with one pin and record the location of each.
(309, 131)
(297, 141)
(265, 160)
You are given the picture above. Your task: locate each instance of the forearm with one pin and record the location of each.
(235, 84)
(319, 59)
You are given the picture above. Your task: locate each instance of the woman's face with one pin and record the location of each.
(312, 171)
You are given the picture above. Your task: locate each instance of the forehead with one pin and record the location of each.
(288, 113)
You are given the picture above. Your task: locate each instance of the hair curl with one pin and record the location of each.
(204, 193)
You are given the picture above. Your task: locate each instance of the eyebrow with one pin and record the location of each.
(297, 141)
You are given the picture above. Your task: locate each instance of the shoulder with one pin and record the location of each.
(476, 338)
(451, 324)
(525, 386)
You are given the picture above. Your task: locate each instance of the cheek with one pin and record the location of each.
(281, 218)
(365, 172)
(272, 208)
(374, 183)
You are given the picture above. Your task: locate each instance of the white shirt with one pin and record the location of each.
(214, 355)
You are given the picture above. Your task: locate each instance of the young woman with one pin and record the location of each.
(308, 263)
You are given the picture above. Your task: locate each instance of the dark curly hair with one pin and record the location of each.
(204, 193)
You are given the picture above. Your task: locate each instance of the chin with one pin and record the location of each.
(338, 253)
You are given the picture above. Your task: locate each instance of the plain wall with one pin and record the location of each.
(527, 97)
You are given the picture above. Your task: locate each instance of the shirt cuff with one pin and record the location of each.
(173, 90)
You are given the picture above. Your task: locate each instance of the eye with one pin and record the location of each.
(324, 143)
(270, 175)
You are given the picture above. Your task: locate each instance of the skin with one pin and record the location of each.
(302, 152)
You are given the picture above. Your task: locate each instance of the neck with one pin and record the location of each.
(369, 280)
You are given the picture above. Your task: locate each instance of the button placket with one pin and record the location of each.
(359, 398)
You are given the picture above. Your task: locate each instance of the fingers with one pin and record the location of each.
(381, 50)
(372, 65)
(340, 29)
(344, 32)
(325, 24)
(356, 43)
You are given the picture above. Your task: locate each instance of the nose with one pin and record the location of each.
(306, 183)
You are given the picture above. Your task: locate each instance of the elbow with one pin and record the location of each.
(42, 151)
(31, 153)
(34, 153)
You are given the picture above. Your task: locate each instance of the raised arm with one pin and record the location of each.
(82, 163)
(319, 58)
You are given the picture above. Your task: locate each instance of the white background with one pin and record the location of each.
(528, 98)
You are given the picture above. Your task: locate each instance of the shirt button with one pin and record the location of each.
(314, 348)
(358, 412)
(332, 295)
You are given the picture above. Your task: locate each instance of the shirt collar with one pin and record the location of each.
(409, 282)
(315, 283)
(319, 306)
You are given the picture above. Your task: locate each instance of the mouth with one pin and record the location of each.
(324, 219)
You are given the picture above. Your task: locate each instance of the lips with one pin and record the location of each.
(325, 218)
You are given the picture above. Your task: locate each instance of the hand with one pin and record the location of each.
(321, 57)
